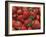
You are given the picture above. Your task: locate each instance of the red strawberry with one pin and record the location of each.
(36, 10)
(36, 24)
(38, 17)
(27, 21)
(26, 14)
(32, 14)
(14, 9)
(25, 9)
(20, 17)
(19, 11)
(23, 27)
(17, 25)
(29, 28)
(14, 15)
(13, 22)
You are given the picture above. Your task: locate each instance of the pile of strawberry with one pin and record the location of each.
(25, 18)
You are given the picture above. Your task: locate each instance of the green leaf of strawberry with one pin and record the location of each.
(32, 17)
(29, 25)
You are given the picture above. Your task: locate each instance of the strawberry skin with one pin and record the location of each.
(23, 27)
(27, 21)
(36, 24)
(20, 18)
(38, 17)
(26, 14)
(19, 12)
(17, 24)
(29, 28)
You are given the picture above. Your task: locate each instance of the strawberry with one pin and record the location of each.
(25, 9)
(36, 24)
(23, 27)
(31, 9)
(13, 22)
(27, 21)
(38, 17)
(33, 14)
(36, 10)
(14, 15)
(19, 11)
(17, 25)
(14, 9)
(29, 28)
(20, 17)
(26, 14)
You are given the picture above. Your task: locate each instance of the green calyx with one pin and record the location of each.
(32, 17)
(29, 25)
